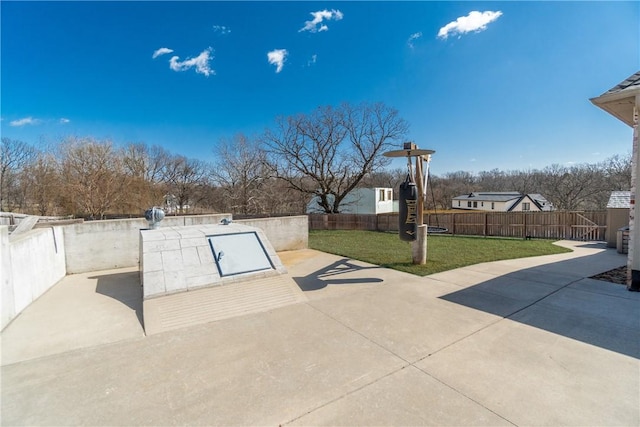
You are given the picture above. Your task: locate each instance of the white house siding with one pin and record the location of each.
(361, 201)
(482, 205)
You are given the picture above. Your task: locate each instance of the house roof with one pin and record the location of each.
(620, 199)
(539, 202)
(504, 196)
(620, 99)
(538, 198)
(629, 82)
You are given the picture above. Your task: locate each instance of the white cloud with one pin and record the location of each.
(64, 121)
(24, 122)
(200, 62)
(318, 17)
(412, 37)
(474, 22)
(161, 51)
(277, 58)
(313, 60)
(221, 29)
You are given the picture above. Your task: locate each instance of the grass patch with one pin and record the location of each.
(443, 252)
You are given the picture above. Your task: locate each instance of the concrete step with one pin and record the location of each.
(214, 303)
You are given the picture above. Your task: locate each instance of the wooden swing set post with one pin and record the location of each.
(419, 246)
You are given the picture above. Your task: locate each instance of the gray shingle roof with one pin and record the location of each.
(620, 100)
(490, 197)
(620, 199)
(632, 80)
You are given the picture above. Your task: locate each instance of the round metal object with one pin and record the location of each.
(153, 217)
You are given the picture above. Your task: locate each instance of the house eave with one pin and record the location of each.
(619, 104)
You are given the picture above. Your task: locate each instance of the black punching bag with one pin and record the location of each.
(408, 207)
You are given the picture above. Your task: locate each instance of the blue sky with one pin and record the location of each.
(486, 84)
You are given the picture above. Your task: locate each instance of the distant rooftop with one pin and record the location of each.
(495, 196)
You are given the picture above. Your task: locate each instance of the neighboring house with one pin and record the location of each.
(171, 205)
(361, 201)
(502, 202)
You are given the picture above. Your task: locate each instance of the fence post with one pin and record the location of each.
(484, 229)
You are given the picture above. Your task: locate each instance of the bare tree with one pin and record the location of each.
(42, 183)
(186, 181)
(144, 167)
(241, 173)
(93, 176)
(617, 172)
(333, 148)
(384, 178)
(14, 157)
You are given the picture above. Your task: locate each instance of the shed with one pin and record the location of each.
(617, 215)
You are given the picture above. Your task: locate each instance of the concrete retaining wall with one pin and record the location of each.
(31, 263)
(103, 245)
(285, 233)
(6, 278)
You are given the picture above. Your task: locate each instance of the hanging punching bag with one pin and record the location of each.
(408, 207)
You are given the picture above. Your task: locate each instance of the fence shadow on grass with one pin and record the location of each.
(560, 298)
(332, 275)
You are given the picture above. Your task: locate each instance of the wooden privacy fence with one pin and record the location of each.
(583, 225)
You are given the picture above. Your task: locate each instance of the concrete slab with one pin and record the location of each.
(533, 377)
(466, 279)
(80, 311)
(209, 304)
(371, 346)
(24, 225)
(406, 319)
(323, 275)
(407, 397)
(604, 288)
(262, 369)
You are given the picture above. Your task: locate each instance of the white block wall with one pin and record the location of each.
(32, 263)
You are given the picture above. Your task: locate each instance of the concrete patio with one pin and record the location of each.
(520, 342)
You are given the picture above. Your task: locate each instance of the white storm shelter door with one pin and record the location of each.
(239, 253)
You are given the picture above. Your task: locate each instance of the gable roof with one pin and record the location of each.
(527, 196)
(620, 199)
(629, 82)
(620, 99)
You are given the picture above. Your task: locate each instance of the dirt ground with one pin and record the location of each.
(617, 275)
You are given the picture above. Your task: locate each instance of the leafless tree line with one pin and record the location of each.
(569, 187)
(92, 178)
(321, 156)
(326, 154)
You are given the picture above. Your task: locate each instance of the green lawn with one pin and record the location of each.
(443, 252)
